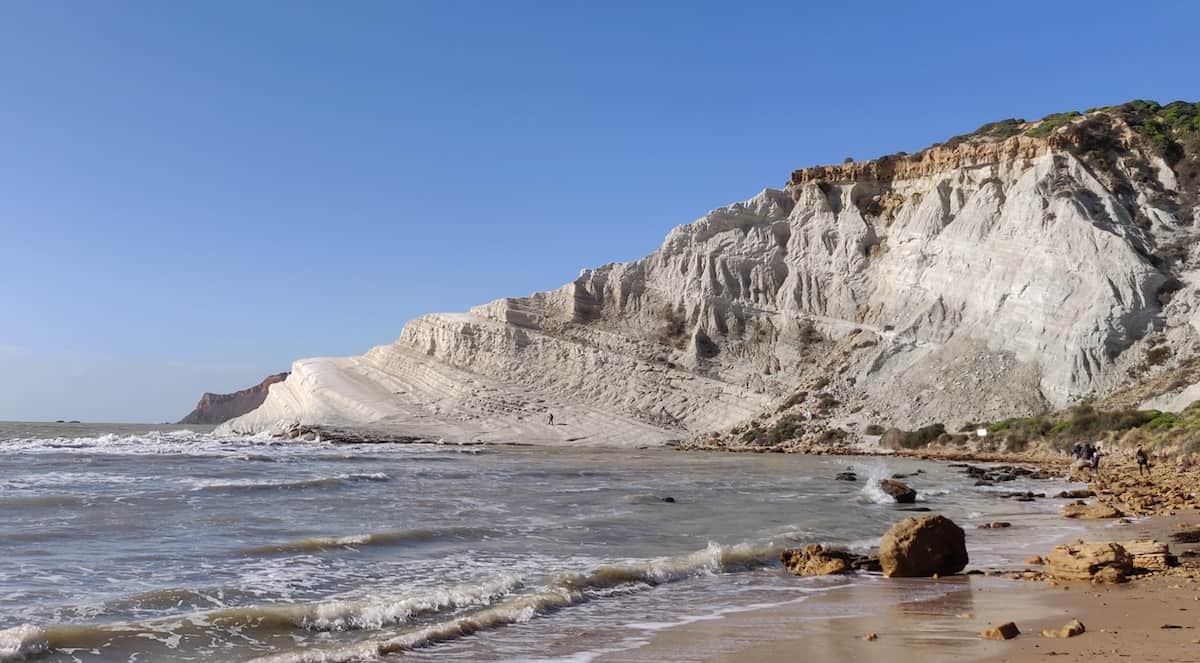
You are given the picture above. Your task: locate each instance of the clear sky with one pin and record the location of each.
(193, 194)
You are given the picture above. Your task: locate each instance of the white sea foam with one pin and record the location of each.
(564, 591)
(369, 613)
(22, 642)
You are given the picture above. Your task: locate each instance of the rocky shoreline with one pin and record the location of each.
(1128, 591)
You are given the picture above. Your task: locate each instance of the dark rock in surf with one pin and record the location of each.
(898, 490)
(846, 476)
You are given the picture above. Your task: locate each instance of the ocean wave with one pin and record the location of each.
(367, 613)
(277, 484)
(21, 642)
(562, 592)
(29, 641)
(35, 501)
(321, 543)
(155, 443)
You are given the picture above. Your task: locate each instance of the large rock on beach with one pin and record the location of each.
(898, 490)
(1094, 511)
(1098, 562)
(923, 547)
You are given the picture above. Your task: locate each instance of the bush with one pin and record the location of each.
(1051, 122)
(1157, 355)
(896, 438)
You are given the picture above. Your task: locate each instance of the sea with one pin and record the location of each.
(162, 543)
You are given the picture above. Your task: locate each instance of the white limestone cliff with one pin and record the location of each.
(975, 280)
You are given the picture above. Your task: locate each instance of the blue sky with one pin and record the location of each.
(193, 194)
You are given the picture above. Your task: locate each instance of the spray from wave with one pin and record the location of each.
(872, 492)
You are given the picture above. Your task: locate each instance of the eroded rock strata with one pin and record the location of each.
(1005, 273)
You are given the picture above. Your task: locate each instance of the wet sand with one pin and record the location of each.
(1124, 622)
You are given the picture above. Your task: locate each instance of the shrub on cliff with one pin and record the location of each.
(895, 438)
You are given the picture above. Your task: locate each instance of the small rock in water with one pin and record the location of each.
(1069, 630)
(669, 499)
(1035, 560)
(870, 637)
(995, 525)
(898, 491)
(1005, 631)
(846, 476)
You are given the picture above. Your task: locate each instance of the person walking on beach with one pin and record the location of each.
(1095, 461)
(1142, 460)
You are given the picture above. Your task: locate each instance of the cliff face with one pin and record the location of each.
(219, 408)
(1017, 269)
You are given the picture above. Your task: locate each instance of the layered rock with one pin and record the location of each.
(986, 277)
(219, 408)
(1097, 562)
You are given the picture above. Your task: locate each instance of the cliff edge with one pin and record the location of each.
(1007, 272)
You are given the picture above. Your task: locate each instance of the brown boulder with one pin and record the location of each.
(1101, 562)
(814, 560)
(923, 547)
(1093, 511)
(1069, 630)
(898, 490)
(1005, 631)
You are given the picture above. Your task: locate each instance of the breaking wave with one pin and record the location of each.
(256, 485)
(365, 614)
(871, 492)
(21, 642)
(321, 543)
(562, 592)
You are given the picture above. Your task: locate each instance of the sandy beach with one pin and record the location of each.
(1154, 617)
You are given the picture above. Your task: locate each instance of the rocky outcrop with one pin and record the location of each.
(219, 408)
(813, 560)
(994, 275)
(923, 547)
(816, 560)
(1096, 562)
(1150, 555)
(1093, 511)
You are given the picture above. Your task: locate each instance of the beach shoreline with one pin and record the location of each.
(1155, 616)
